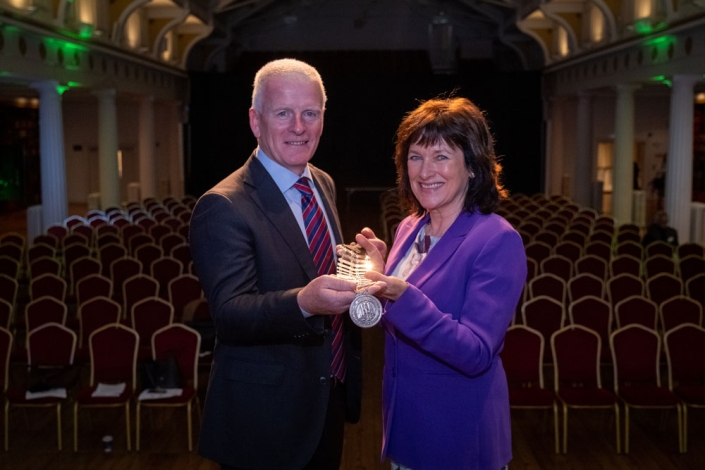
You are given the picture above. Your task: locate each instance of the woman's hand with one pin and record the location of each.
(393, 286)
(376, 249)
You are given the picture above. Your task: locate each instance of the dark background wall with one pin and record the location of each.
(366, 101)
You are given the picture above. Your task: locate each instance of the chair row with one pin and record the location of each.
(126, 292)
(658, 288)
(113, 379)
(635, 351)
(565, 268)
(547, 316)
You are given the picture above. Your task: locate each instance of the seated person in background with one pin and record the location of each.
(659, 230)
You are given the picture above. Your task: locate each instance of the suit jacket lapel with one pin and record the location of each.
(273, 204)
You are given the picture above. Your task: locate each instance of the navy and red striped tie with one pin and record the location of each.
(320, 245)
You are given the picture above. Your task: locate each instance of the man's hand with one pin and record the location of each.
(326, 295)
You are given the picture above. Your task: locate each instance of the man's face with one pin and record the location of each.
(290, 123)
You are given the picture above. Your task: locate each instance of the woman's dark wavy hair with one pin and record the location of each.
(462, 125)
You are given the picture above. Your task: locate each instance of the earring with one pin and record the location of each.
(472, 175)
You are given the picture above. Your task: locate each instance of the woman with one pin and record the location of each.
(453, 279)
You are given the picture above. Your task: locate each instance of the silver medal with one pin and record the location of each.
(353, 262)
(365, 310)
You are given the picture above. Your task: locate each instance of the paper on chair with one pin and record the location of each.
(160, 395)
(53, 393)
(109, 390)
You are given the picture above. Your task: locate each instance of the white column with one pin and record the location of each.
(176, 154)
(623, 158)
(679, 165)
(107, 149)
(146, 147)
(583, 175)
(51, 151)
(554, 144)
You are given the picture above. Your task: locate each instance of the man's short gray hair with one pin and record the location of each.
(287, 68)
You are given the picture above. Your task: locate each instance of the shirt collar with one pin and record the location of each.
(283, 177)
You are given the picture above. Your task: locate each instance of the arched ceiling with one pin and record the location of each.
(468, 29)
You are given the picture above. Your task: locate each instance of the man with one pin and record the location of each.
(286, 367)
(660, 230)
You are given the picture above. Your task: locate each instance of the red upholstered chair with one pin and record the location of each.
(538, 251)
(592, 264)
(5, 314)
(184, 229)
(119, 220)
(172, 222)
(529, 227)
(558, 265)
(44, 310)
(94, 285)
(636, 309)
(74, 220)
(158, 231)
(532, 269)
(623, 286)
(695, 289)
(147, 316)
(584, 285)
(13, 251)
(580, 226)
(630, 247)
(9, 267)
(576, 358)
(85, 230)
(545, 315)
(555, 227)
(637, 380)
(107, 238)
(58, 230)
(570, 250)
(660, 247)
(137, 288)
(48, 284)
(685, 350)
(182, 253)
(145, 222)
(691, 266)
(183, 290)
(5, 348)
(679, 310)
(522, 358)
(93, 314)
(129, 231)
(663, 287)
(147, 254)
(546, 237)
(110, 253)
(39, 250)
(74, 238)
(113, 355)
(121, 270)
(164, 270)
(72, 252)
(625, 264)
(600, 236)
(659, 264)
(138, 240)
(549, 285)
(623, 236)
(81, 269)
(97, 222)
(596, 314)
(688, 249)
(46, 239)
(8, 289)
(182, 343)
(108, 229)
(170, 241)
(44, 265)
(48, 346)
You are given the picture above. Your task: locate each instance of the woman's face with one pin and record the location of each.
(438, 177)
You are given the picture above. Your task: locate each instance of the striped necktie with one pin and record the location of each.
(322, 251)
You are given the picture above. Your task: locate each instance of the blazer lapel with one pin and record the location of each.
(270, 200)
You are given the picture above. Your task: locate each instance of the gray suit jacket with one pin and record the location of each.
(269, 387)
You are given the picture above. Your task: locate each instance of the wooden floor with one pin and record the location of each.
(591, 433)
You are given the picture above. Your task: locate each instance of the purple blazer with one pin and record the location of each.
(446, 403)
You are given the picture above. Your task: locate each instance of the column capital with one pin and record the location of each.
(46, 86)
(686, 79)
(104, 93)
(627, 87)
